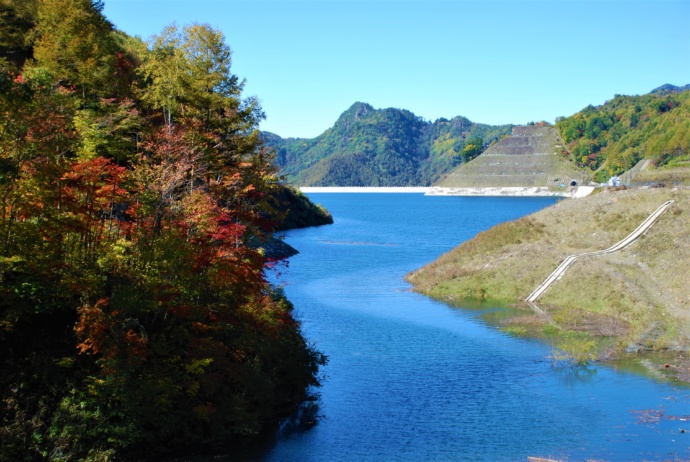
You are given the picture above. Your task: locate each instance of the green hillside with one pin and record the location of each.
(381, 147)
(528, 157)
(394, 147)
(293, 210)
(614, 137)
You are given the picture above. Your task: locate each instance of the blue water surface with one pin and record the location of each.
(412, 379)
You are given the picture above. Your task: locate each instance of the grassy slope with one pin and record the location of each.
(678, 174)
(623, 294)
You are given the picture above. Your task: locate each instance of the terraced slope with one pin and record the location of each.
(526, 158)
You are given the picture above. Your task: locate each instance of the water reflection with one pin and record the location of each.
(305, 418)
(571, 376)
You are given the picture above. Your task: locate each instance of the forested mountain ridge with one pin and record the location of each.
(393, 147)
(381, 147)
(668, 88)
(612, 138)
(136, 200)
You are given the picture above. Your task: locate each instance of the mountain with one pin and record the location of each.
(530, 156)
(668, 88)
(614, 137)
(381, 147)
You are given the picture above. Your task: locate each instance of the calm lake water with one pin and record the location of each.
(411, 379)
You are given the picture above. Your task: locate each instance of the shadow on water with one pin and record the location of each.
(301, 421)
(256, 448)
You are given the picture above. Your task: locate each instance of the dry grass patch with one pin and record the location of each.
(664, 176)
(621, 294)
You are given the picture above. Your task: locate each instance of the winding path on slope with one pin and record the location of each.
(570, 259)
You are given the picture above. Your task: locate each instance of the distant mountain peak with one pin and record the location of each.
(359, 109)
(354, 113)
(668, 88)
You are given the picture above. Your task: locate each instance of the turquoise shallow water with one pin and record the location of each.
(411, 379)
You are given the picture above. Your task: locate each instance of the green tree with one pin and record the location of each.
(164, 68)
(189, 72)
(472, 149)
(74, 43)
(17, 19)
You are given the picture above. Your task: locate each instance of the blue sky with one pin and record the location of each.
(492, 61)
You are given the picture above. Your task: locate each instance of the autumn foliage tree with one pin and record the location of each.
(135, 313)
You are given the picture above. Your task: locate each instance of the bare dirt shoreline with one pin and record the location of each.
(364, 189)
(574, 192)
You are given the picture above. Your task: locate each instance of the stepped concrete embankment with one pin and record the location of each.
(529, 157)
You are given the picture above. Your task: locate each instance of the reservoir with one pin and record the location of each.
(413, 379)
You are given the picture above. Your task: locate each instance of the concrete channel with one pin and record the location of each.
(620, 245)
